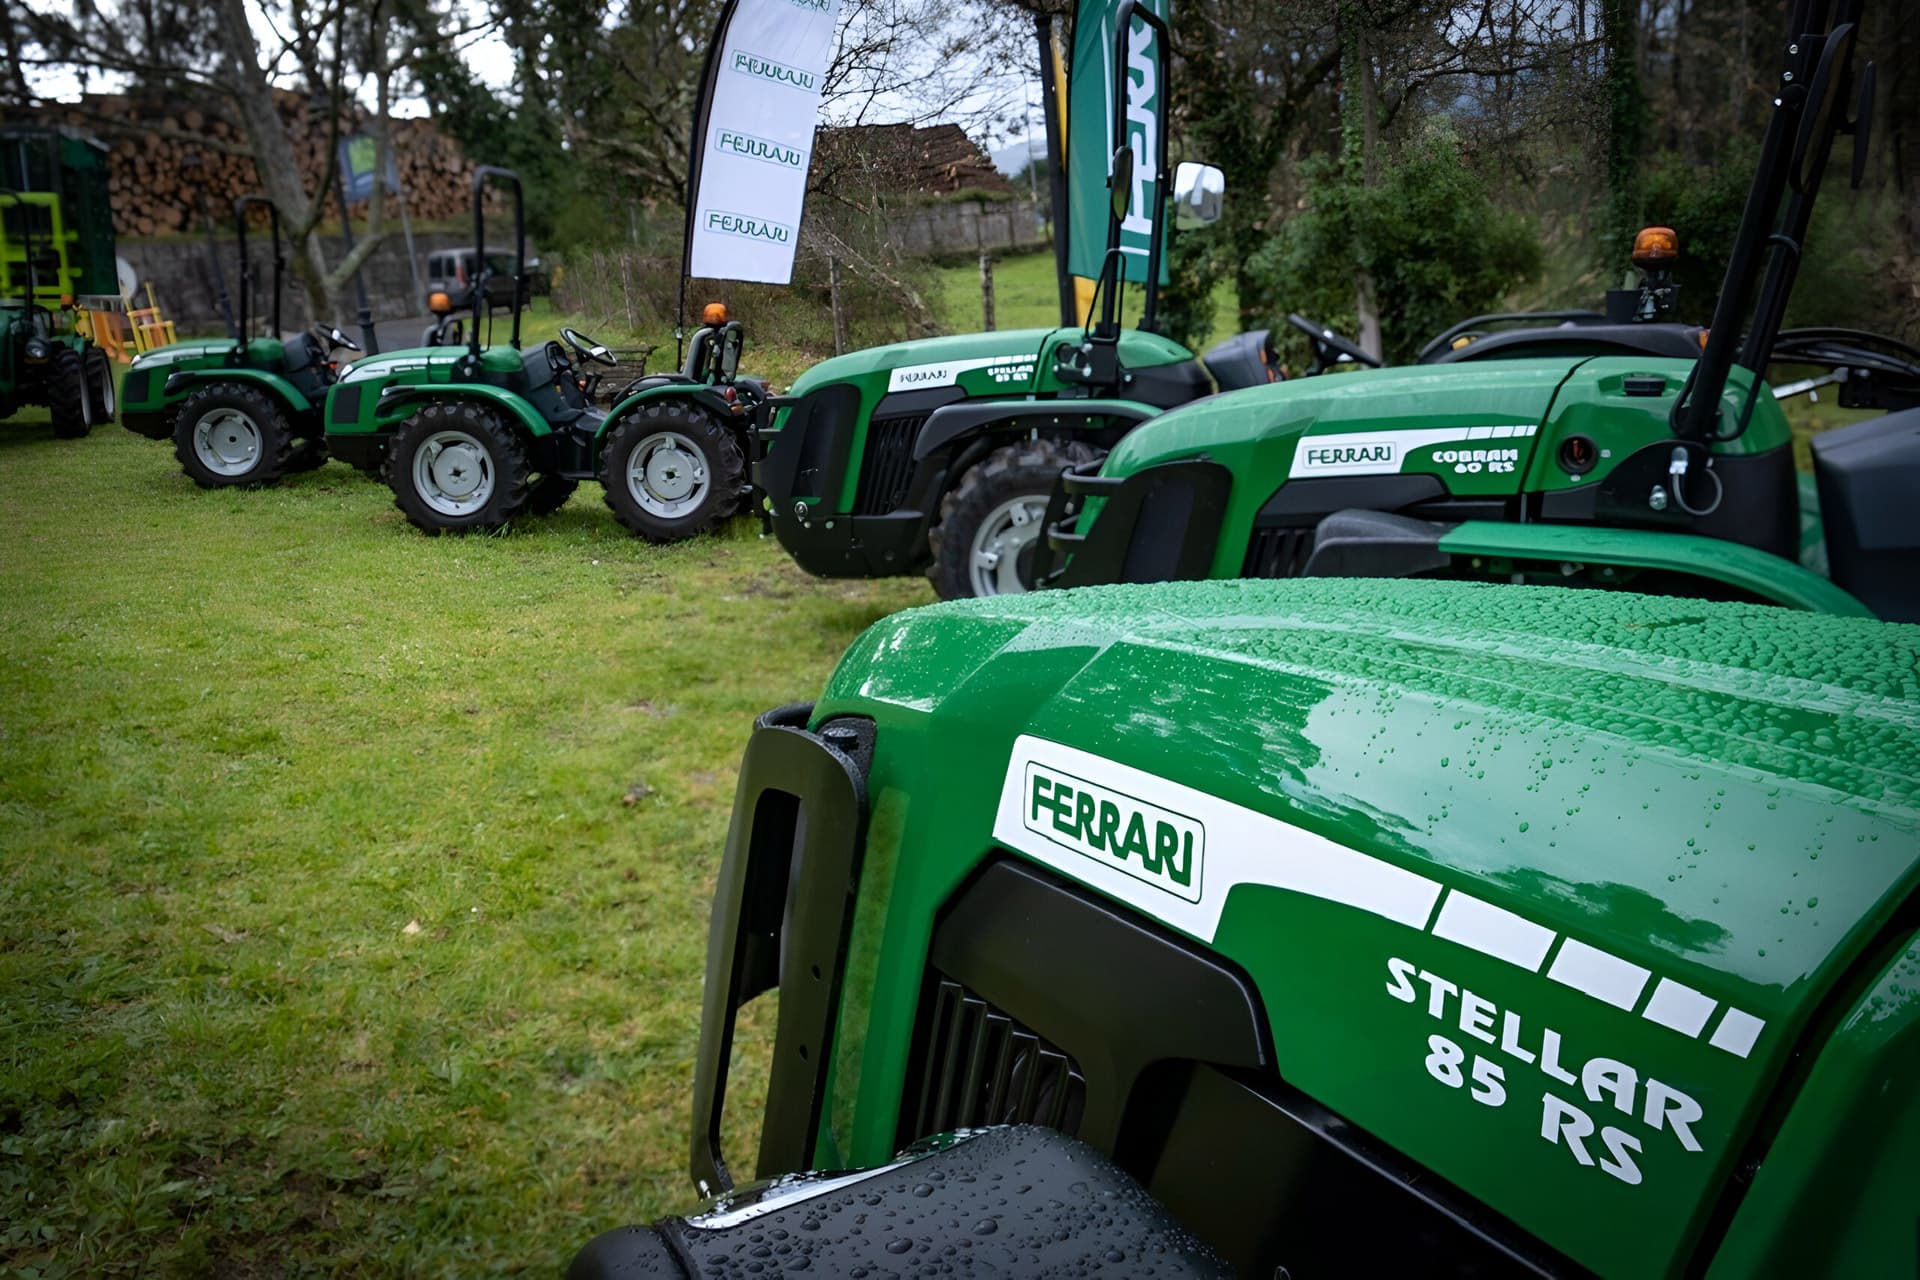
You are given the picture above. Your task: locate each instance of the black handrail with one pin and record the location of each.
(240, 208)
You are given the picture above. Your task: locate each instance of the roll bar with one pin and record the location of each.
(240, 208)
(510, 179)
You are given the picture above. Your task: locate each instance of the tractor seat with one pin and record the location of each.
(301, 352)
(1244, 360)
(1867, 474)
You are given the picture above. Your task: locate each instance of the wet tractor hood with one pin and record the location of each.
(941, 360)
(1543, 887)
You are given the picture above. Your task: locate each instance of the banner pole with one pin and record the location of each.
(1053, 118)
(696, 146)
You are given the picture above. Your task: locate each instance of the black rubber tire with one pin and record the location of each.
(511, 471)
(67, 392)
(550, 493)
(1014, 470)
(725, 461)
(309, 455)
(269, 419)
(102, 395)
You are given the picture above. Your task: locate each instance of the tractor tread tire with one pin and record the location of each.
(67, 392)
(1029, 466)
(103, 396)
(511, 487)
(726, 469)
(276, 435)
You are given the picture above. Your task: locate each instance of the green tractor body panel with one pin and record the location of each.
(1572, 899)
(145, 394)
(705, 394)
(1571, 455)
(377, 393)
(1757, 573)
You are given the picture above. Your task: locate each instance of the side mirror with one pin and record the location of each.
(1817, 120)
(1120, 181)
(1199, 195)
(730, 346)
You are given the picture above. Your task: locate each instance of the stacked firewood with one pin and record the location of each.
(167, 155)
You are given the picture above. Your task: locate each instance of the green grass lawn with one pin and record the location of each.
(355, 883)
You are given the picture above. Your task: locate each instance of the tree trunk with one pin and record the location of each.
(1626, 116)
(1363, 159)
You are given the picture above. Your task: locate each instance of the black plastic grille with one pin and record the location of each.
(137, 385)
(344, 405)
(976, 1065)
(1277, 553)
(886, 466)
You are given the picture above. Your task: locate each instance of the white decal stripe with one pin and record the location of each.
(1678, 1006)
(1242, 846)
(1737, 1032)
(1600, 974)
(1493, 930)
(941, 373)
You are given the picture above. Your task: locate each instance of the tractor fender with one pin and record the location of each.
(400, 398)
(965, 419)
(1761, 573)
(706, 395)
(182, 381)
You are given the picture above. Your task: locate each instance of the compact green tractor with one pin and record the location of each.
(56, 245)
(937, 455)
(470, 438)
(1374, 928)
(1608, 466)
(242, 411)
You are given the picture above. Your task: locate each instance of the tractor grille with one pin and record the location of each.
(343, 407)
(975, 1065)
(886, 467)
(1277, 553)
(137, 386)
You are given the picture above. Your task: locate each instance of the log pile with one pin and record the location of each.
(166, 153)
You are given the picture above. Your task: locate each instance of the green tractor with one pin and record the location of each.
(1374, 928)
(56, 249)
(1617, 459)
(470, 438)
(242, 411)
(938, 455)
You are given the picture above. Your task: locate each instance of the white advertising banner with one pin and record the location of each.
(759, 138)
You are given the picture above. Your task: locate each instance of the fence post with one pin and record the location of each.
(986, 288)
(839, 311)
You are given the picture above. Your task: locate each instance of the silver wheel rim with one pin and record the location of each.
(227, 441)
(453, 473)
(108, 404)
(993, 562)
(667, 475)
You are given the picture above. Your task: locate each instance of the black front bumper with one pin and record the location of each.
(1161, 524)
(801, 469)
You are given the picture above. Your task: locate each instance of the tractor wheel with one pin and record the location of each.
(309, 455)
(456, 468)
(672, 471)
(67, 392)
(989, 523)
(229, 434)
(550, 493)
(102, 402)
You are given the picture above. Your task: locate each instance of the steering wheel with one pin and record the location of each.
(587, 348)
(333, 337)
(1329, 348)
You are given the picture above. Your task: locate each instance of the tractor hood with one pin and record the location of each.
(261, 352)
(440, 360)
(1012, 353)
(1543, 888)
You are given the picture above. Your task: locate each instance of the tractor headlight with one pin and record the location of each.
(38, 349)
